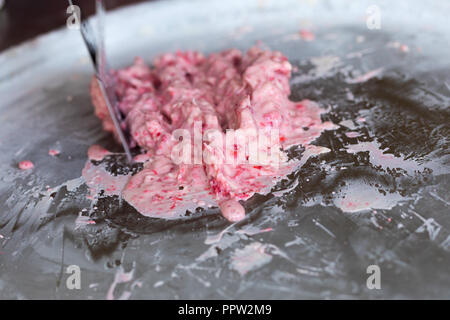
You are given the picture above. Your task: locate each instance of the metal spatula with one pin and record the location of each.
(96, 48)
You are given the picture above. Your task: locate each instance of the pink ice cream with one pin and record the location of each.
(226, 90)
(26, 165)
(96, 152)
(54, 152)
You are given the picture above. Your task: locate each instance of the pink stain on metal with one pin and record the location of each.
(307, 35)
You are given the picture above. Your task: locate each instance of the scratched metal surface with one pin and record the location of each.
(308, 243)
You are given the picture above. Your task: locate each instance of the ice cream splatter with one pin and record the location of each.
(83, 220)
(324, 64)
(54, 152)
(252, 230)
(120, 277)
(99, 179)
(359, 196)
(353, 134)
(348, 124)
(26, 165)
(380, 157)
(399, 46)
(307, 35)
(366, 76)
(251, 257)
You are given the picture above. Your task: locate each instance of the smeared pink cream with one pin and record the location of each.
(25, 165)
(226, 90)
(98, 153)
(98, 179)
(359, 197)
